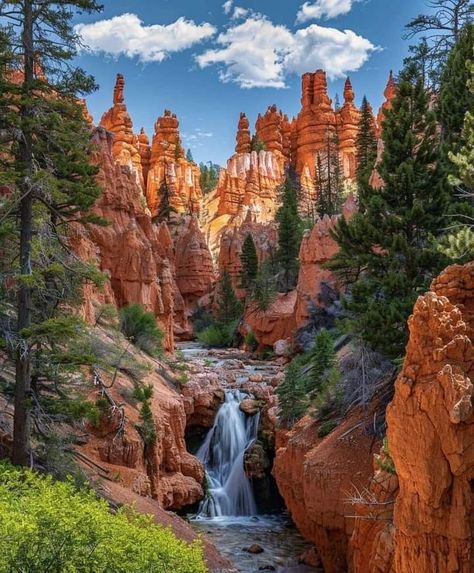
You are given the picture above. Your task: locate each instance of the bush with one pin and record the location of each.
(219, 334)
(201, 319)
(326, 428)
(140, 327)
(250, 341)
(52, 526)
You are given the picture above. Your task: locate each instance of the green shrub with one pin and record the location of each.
(52, 526)
(201, 319)
(326, 428)
(250, 340)
(140, 327)
(219, 334)
(384, 460)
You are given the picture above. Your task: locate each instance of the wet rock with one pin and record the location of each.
(255, 549)
(250, 407)
(256, 462)
(256, 378)
(311, 558)
(282, 348)
(267, 568)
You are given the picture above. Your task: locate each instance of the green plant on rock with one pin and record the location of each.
(140, 327)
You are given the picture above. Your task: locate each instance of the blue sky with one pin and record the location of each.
(208, 60)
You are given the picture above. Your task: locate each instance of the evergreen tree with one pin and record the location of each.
(366, 144)
(292, 399)
(257, 144)
(264, 289)
(229, 306)
(289, 235)
(321, 358)
(386, 249)
(189, 156)
(209, 177)
(51, 183)
(178, 151)
(329, 178)
(249, 260)
(164, 207)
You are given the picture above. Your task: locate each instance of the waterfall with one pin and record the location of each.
(222, 454)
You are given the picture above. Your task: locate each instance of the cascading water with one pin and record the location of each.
(222, 454)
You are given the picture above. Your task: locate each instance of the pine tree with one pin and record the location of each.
(292, 399)
(321, 359)
(289, 235)
(387, 248)
(264, 288)
(249, 260)
(51, 183)
(189, 156)
(257, 144)
(209, 177)
(329, 178)
(229, 306)
(164, 207)
(366, 144)
(178, 151)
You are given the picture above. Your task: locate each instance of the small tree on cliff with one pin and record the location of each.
(249, 260)
(329, 179)
(189, 156)
(289, 235)
(229, 306)
(164, 207)
(366, 144)
(387, 255)
(51, 184)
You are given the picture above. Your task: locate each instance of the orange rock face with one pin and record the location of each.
(168, 164)
(243, 137)
(389, 94)
(347, 127)
(128, 250)
(317, 247)
(274, 130)
(125, 147)
(430, 430)
(316, 478)
(164, 470)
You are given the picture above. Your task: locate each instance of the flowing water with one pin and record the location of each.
(222, 454)
(228, 515)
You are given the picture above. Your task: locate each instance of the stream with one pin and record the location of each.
(228, 515)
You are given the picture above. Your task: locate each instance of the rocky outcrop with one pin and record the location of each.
(169, 167)
(317, 247)
(273, 129)
(347, 119)
(243, 138)
(389, 94)
(317, 477)
(430, 430)
(163, 470)
(125, 146)
(128, 250)
(265, 237)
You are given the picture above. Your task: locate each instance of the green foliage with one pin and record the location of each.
(329, 177)
(289, 235)
(201, 319)
(147, 425)
(366, 144)
(48, 525)
(140, 327)
(326, 428)
(209, 177)
(257, 144)
(387, 256)
(178, 151)
(165, 209)
(264, 289)
(250, 341)
(229, 306)
(249, 260)
(459, 245)
(219, 334)
(189, 156)
(321, 359)
(384, 460)
(292, 398)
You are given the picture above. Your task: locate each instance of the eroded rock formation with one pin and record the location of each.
(431, 428)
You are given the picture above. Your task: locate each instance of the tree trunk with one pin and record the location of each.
(22, 416)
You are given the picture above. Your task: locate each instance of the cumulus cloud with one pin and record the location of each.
(251, 53)
(227, 6)
(128, 35)
(239, 12)
(258, 53)
(323, 9)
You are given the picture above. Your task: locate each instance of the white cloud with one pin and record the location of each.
(227, 6)
(127, 35)
(258, 53)
(252, 53)
(336, 51)
(323, 9)
(239, 12)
